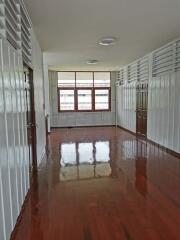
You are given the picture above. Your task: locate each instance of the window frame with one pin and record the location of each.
(85, 88)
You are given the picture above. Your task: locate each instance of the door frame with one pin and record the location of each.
(33, 117)
(142, 110)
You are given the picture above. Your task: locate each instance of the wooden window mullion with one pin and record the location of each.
(75, 100)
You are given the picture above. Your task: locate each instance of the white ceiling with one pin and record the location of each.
(68, 30)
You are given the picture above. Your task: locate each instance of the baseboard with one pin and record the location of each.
(127, 130)
(168, 150)
(89, 126)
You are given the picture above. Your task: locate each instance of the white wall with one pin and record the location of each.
(14, 162)
(46, 92)
(14, 171)
(164, 110)
(76, 118)
(126, 106)
(38, 96)
(163, 123)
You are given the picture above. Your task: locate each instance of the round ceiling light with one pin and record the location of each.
(92, 61)
(107, 41)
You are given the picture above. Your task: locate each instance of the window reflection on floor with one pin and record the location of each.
(85, 151)
(68, 156)
(102, 151)
(84, 160)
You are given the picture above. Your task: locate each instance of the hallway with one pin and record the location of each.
(102, 183)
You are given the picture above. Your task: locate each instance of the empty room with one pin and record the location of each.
(89, 120)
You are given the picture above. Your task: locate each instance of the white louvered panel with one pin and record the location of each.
(121, 76)
(163, 60)
(177, 60)
(132, 72)
(25, 37)
(143, 69)
(118, 79)
(2, 19)
(12, 23)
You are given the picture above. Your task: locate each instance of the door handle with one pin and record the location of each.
(34, 125)
(30, 125)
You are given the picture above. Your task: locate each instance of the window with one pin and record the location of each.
(84, 91)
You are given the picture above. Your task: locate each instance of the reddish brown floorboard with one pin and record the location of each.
(134, 196)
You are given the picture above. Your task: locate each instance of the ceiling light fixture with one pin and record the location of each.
(107, 41)
(92, 61)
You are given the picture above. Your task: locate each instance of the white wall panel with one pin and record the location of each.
(14, 161)
(160, 69)
(164, 110)
(46, 93)
(20, 137)
(14, 157)
(164, 97)
(2, 220)
(126, 106)
(6, 124)
(38, 97)
(4, 169)
(12, 135)
(23, 129)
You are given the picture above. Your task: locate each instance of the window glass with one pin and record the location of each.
(84, 79)
(66, 79)
(84, 99)
(101, 99)
(101, 79)
(66, 100)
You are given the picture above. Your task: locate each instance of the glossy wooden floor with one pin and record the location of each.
(103, 184)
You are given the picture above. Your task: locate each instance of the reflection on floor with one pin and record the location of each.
(84, 160)
(103, 183)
